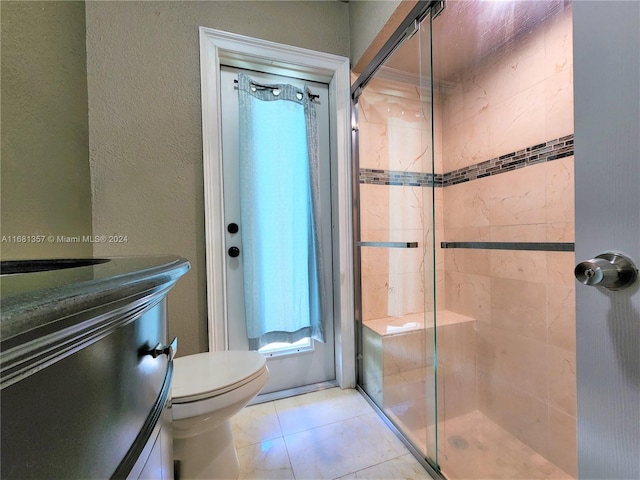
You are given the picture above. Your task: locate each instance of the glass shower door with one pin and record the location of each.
(396, 242)
(503, 97)
(467, 315)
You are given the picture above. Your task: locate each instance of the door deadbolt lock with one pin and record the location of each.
(234, 252)
(610, 270)
(233, 228)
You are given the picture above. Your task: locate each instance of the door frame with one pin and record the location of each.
(216, 48)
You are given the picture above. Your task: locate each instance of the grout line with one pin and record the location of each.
(327, 424)
(369, 410)
(403, 454)
(275, 409)
(286, 447)
(312, 428)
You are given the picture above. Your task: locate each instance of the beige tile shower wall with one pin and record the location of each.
(456, 373)
(520, 96)
(391, 137)
(438, 201)
(523, 301)
(392, 278)
(391, 121)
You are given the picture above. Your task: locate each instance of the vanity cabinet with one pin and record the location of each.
(86, 369)
(156, 460)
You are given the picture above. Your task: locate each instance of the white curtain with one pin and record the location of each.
(279, 188)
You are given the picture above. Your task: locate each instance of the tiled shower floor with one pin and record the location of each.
(473, 447)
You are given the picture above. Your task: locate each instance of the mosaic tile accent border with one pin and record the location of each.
(397, 177)
(543, 152)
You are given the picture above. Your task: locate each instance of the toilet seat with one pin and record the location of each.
(210, 374)
(207, 390)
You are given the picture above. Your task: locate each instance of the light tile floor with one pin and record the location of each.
(330, 434)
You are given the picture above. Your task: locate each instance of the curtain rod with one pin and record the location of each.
(273, 87)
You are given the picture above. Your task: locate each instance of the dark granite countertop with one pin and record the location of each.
(38, 303)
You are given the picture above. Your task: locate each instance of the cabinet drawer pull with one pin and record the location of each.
(170, 350)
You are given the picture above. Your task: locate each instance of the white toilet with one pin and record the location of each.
(207, 390)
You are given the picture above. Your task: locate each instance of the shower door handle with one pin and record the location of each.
(388, 244)
(610, 270)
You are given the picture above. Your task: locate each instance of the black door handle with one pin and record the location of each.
(234, 252)
(233, 228)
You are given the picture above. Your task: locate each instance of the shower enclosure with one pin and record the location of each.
(465, 226)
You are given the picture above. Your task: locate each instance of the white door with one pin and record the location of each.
(607, 172)
(299, 364)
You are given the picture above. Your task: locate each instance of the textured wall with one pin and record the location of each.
(46, 189)
(366, 19)
(371, 23)
(145, 124)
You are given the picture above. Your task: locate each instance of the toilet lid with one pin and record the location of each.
(208, 374)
